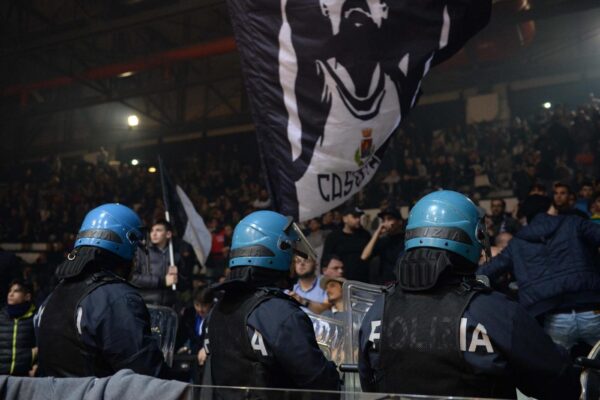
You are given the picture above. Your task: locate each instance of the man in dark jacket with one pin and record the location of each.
(94, 323)
(156, 279)
(439, 332)
(388, 247)
(278, 349)
(348, 243)
(501, 221)
(17, 338)
(554, 261)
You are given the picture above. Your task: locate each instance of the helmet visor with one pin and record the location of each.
(482, 235)
(300, 245)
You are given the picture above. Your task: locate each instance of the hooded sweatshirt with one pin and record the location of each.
(554, 260)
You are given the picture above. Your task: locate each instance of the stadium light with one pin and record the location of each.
(135, 161)
(133, 120)
(152, 170)
(547, 105)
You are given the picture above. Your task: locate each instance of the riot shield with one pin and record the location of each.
(590, 377)
(330, 334)
(163, 323)
(358, 299)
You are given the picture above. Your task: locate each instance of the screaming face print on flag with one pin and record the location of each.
(331, 80)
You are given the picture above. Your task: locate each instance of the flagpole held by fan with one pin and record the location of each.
(167, 216)
(188, 222)
(171, 255)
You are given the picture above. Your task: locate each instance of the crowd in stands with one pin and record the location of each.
(555, 145)
(46, 201)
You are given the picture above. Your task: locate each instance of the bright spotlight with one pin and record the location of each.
(547, 105)
(152, 170)
(133, 120)
(134, 162)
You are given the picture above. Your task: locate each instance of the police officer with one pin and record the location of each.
(94, 323)
(440, 332)
(279, 350)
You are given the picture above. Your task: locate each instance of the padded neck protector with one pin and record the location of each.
(77, 261)
(420, 269)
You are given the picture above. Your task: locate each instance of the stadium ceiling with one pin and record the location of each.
(70, 68)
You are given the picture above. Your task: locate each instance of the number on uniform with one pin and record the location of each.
(258, 344)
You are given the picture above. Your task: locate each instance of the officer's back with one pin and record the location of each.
(279, 349)
(439, 332)
(94, 323)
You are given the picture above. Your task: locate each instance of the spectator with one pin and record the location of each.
(348, 243)
(582, 203)
(501, 220)
(564, 202)
(316, 237)
(502, 240)
(153, 274)
(333, 266)
(500, 243)
(18, 351)
(190, 332)
(217, 261)
(537, 188)
(307, 290)
(327, 222)
(263, 201)
(333, 287)
(388, 248)
(524, 178)
(553, 262)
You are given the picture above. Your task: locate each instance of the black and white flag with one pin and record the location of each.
(330, 81)
(184, 217)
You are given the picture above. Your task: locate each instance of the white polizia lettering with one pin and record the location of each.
(479, 338)
(374, 336)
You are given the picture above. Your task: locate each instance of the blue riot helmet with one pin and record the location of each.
(112, 227)
(267, 239)
(450, 221)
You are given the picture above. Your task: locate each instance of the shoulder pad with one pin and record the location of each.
(475, 285)
(105, 277)
(272, 292)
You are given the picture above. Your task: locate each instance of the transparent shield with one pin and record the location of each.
(358, 299)
(330, 334)
(590, 378)
(163, 323)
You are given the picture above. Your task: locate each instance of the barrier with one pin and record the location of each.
(163, 324)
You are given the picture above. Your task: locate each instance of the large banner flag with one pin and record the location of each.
(330, 81)
(184, 217)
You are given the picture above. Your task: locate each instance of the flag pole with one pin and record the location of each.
(167, 216)
(171, 255)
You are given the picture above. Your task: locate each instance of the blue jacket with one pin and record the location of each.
(554, 261)
(511, 344)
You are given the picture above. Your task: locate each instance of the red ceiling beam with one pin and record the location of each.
(201, 50)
